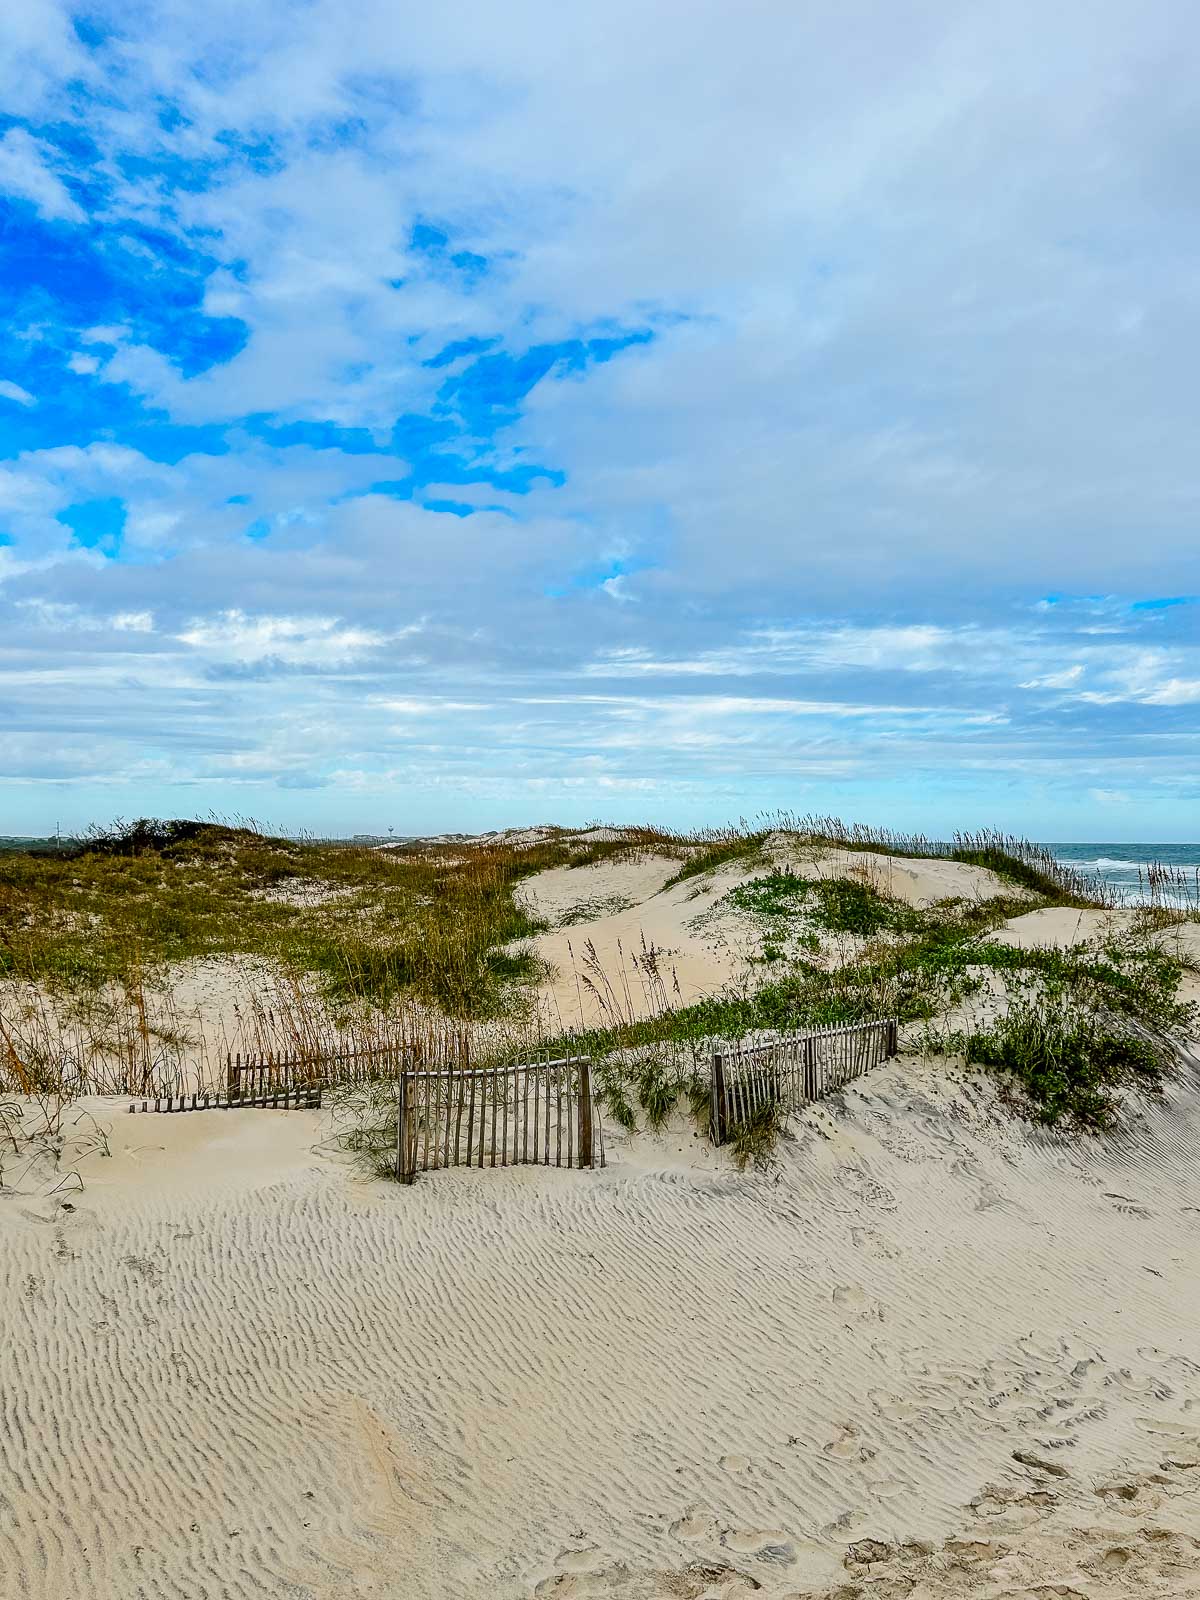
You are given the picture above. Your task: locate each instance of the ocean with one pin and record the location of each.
(1119, 865)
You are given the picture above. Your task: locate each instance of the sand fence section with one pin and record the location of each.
(544, 1111)
(753, 1079)
(532, 1113)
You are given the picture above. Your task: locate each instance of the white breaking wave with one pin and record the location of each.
(1110, 864)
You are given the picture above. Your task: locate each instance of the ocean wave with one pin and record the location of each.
(1101, 864)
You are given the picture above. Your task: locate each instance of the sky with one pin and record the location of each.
(442, 417)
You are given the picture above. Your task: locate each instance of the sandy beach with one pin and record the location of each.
(929, 1350)
(599, 756)
(931, 1353)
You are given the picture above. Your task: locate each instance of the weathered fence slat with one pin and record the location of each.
(246, 1075)
(300, 1097)
(792, 1070)
(546, 1128)
(498, 1102)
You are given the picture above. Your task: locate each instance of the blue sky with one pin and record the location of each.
(670, 413)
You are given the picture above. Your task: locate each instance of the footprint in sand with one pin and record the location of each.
(1052, 1469)
(1120, 1496)
(1040, 1351)
(1002, 1502)
(695, 1524)
(991, 1199)
(587, 1560)
(892, 1406)
(847, 1445)
(700, 1580)
(1128, 1206)
(580, 1574)
(586, 1575)
(1139, 1385)
(888, 1488)
(764, 1544)
(866, 1190)
(871, 1244)
(1168, 1430)
(853, 1299)
(848, 1527)
(734, 1463)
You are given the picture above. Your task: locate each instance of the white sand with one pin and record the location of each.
(918, 881)
(701, 945)
(1059, 927)
(236, 1370)
(623, 911)
(193, 1013)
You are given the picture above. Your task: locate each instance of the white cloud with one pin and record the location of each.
(26, 172)
(303, 641)
(1066, 679)
(921, 292)
(1174, 692)
(14, 391)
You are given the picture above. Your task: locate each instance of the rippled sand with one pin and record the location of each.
(931, 1354)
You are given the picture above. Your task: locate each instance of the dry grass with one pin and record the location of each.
(419, 946)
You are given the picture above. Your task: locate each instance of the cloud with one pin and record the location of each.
(1066, 679)
(14, 391)
(759, 380)
(303, 641)
(26, 172)
(1174, 692)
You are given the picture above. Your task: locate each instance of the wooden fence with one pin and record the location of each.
(532, 1112)
(300, 1096)
(253, 1076)
(792, 1070)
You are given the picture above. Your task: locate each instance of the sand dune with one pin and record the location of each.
(932, 1354)
(697, 941)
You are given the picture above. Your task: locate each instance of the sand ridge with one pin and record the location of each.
(636, 920)
(931, 1347)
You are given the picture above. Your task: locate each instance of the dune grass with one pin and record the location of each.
(428, 935)
(1078, 1025)
(370, 923)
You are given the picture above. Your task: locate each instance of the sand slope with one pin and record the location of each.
(627, 916)
(698, 942)
(229, 1372)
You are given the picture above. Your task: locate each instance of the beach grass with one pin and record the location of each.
(427, 937)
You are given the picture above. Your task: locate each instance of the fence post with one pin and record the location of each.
(893, 1043)
(401, 1130)
(584, 1120)
(717, 1129)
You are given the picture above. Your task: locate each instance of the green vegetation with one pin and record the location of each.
(1079, 1025)
(752, 1142)
(1065, 1062)
(427, 921)
(840, 905)
(1083, 1021)
(437, 925)
(658, 1092)
(715, 848)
